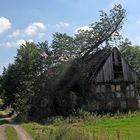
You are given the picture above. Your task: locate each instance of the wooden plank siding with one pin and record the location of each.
(106, 73)
(128, 73)
(111, 83)
(115, 85)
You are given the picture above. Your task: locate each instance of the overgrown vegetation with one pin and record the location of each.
(88, 127)
(10, 133)
(38, 84)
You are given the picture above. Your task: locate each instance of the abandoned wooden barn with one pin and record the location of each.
(107, 83)
(113, 83)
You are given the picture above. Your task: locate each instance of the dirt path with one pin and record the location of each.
(2, 133)
(22, 134)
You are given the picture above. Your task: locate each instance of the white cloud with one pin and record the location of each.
(15, 34)
(4, 24)
(22, 41)
(32, 29)
(14, 44)
(83, 28)
(62, 24)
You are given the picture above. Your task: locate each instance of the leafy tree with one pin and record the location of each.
(42, 78)
(19, 80)
(107, 29)
(63, 47)
(1, 85)
(10, 82)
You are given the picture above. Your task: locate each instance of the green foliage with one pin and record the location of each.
(10, 81)
(11, 133)
(20, 79)
(38, 84)
(64, 47)
(105, 30)
(29, 65)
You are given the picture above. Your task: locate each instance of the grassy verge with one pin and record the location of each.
(37, 131)
(10, 133)
(118, 127)
(64, 132)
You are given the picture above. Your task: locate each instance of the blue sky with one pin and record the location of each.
(37, 20)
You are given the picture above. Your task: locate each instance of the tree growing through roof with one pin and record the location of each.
(106, 29)
(40, 79)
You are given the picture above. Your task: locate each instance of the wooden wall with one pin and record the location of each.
(106, 73)
(128, 73)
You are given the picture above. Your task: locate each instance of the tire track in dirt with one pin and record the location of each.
(2, 132)
(21, 133)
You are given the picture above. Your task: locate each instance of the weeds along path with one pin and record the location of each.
(2, 132)
(21, 133)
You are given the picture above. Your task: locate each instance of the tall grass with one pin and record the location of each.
(66, 132)
(10, 133)
(88, 126)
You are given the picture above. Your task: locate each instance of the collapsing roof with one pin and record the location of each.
(101, 66)
(102, 81)
(106, 65)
